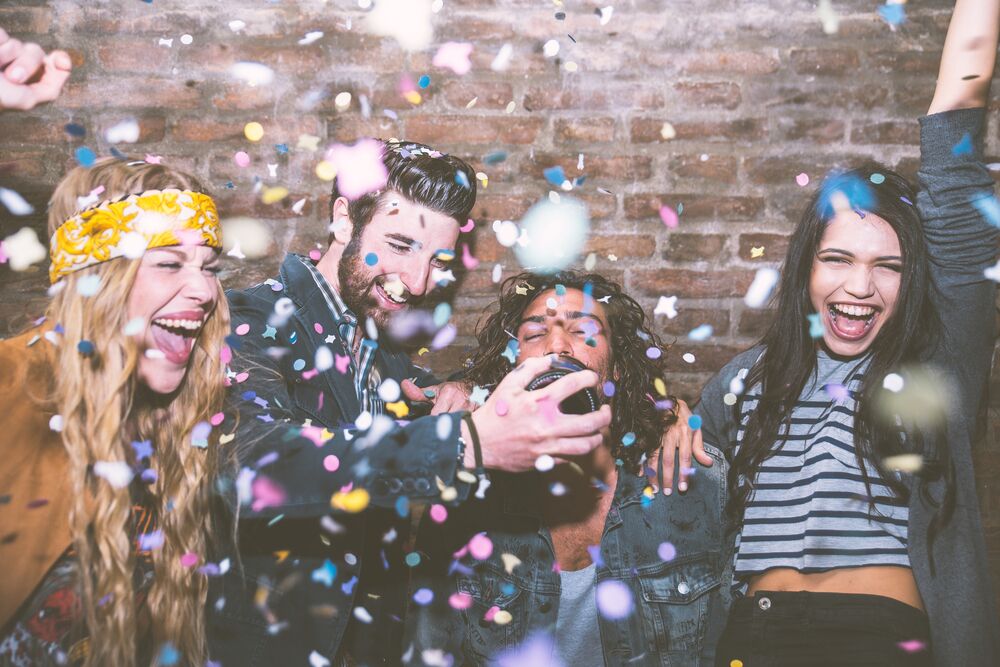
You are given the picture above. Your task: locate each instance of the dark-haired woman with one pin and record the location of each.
(858, 538)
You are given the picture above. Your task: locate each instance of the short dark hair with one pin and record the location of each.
(441, 182)
(635, 410)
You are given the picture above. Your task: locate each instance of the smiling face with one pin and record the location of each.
(569, 324)
(855, 279)
(175, 290)
(391, 266)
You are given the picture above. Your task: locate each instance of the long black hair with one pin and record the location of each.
(908, 336)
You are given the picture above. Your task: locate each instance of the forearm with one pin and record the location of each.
(968, 57)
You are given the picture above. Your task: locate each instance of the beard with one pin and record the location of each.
(356, 285)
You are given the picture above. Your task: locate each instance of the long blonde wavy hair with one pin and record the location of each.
(103, 410)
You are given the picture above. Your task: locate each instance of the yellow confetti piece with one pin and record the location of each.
(308, 142)
(281, 555)
(449, 494)
(756, 252)
(326, 171)
(466, 476)
(503, 617)
(612, 258)
(668, 132)
(260, 596)
(570, 66)
(422, 351)
(735, 663)
(510, 561)
(399, 408)
(511, 106)
(273, 195)
(253, 131)
(661, 388)
(412, 96)
(472, 103)
(326, 435)
(352, 502)
(342, 101)
(648, 492)
(908, 463)
(483, 178)
(226, 437)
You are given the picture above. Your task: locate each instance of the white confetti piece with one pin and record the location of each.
(253, 74)
(15, 203)
(116, 473)
(125, 132)
(761, 287)
(311, 37)
(502, 59)
(23, 249)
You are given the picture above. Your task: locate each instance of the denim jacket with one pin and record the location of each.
(680, 605)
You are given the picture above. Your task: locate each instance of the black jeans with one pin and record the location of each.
(775, 629)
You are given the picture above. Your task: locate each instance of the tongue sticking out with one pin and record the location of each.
(851, 327)
(175, 347)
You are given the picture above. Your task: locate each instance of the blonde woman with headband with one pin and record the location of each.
(108, 469)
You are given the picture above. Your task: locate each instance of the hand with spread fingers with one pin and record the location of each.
(28, 75)
(681, 441)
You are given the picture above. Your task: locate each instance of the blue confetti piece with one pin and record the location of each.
(371, 259)
(989, 207)
(462, 179)
(609, 389)
(200, 433)
(85, 156)
(815, 326)
(348, 586)
(75, 130)
(496, 157)
(839, 189)
(169, 655)
(85, 347)
(510, 354)
(423, 596)
(282, 149)
(694, 421)
(424, 81)
(701, 332)
(555, 175)
(595, 554)
(325, 574)
(299, 364)
(403, 506)
(893, 14)
(560, 290)
(963, 147)
(143, 449)
(877, 178)
(628, 439)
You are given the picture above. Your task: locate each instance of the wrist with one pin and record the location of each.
(468, 455)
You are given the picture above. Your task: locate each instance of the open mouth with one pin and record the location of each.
(851, 321)
(175, 337)
(391, 299)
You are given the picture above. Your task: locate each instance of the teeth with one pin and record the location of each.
(190, 325)
(853, 311)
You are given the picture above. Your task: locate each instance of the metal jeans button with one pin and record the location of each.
(683, 588)
(764, 604)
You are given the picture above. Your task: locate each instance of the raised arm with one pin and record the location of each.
(969, 54)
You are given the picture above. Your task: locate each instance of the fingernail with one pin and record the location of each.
(16, 73)
(667, 491)
(683, 486)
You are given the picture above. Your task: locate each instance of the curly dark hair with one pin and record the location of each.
(637, 407)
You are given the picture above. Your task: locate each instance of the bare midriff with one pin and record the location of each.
(891, 581)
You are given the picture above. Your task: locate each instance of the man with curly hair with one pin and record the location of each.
(580, 557)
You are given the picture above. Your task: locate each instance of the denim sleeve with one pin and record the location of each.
(718, 421)
(960, 216)
(290, 460)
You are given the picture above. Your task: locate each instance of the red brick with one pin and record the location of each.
(717, 168)
(886, 132)
(775, 246)
(619, 167)
(488, 94)
(910, 62)
(586, 129)
(753, 322)
(692, 284)
(725, 62)
(646, 130)
(18, 21)
(708, 358)
(349, 128)
(709, 94)
(696, 207)
(24, 164)
(121, 93)
(693, 247)
(689, 318)
(624, 246)
(151, 126)
(283, 130)
(814, 130)
(492, 206)
(783, 170)
(446, 130)
(824, 61)
(593, 99)
(18, 128)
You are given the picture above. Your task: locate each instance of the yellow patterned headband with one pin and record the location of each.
(130, 226)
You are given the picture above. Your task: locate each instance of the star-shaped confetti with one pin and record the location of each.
(478, 395)
(667, 305)
(454, 56)
(359, 167)
(270, 332)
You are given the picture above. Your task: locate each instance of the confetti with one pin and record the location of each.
(252, 74)
(311, 37)
(828, 17)
(802, 180)
(325, 574)
(480, 546)
(124, 132)
(248, 237)
(15, 203)
(423, 596)
(544, 463)
(993, 273)
(342, 101)
(877, 178)
(242, 159)
(116, 473)
(316, 659)
(406, 21)
(666, 551)
(88, 285)
(460, 601)
(352, 502)
(438, 513)
(989, 207)
(701, 332)
(694, 421)
(688, 358)
(756, 252)
(359, 167)
(893, 13)
(253, 131)
(614, 599)
(906, 463)
(556, 233)
(667, 131)
(669, 217)
(454, 56)
(666, 306)
(761, 287)
(85, 156)
(893, 382)
(502, 60)
(23, 249)
(189, 559)
(815, 326)
(551, 48)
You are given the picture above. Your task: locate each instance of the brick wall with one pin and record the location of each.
(755, 91)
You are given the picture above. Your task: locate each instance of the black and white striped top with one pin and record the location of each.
(809, 509)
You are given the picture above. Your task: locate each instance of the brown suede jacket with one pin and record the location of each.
(35, 492)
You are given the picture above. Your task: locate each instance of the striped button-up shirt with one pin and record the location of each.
(366, 375)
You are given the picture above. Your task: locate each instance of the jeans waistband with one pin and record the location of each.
(804, 604)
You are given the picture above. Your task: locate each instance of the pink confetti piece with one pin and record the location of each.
(454, 56)
(468, 226)
(310, 374)
(480, 546)
(241, 377)
(669, 217)
(315, 255)
(438, 513)
(468, 260)
(359, 168)
(666, 551)
(154, 159)
(912, 645)
(189, 559)
(217, 418)
(614, 599)
(318, 327)
(802, 179)
(243, 329)
(460, 601)
(342, 363)
(502, 408)
(491, 614)
(314, 434)
(241, 159)
(266, 493)
(225, 354)
(331, 463)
